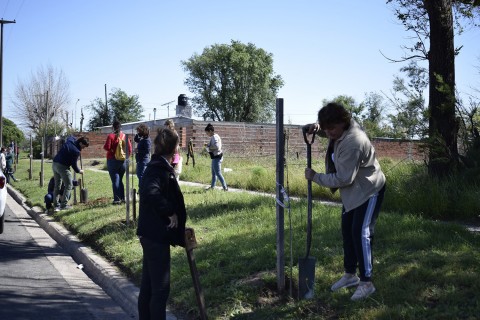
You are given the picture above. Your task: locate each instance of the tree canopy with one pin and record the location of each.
(233, 82)
(434, 23)
(11, 132)
(121, 107)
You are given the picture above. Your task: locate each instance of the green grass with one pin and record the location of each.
(424, 269)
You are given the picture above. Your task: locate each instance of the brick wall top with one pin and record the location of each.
(240, 138)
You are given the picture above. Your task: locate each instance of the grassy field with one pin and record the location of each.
(424, 269)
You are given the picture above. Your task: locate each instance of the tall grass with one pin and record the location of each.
(409, 187)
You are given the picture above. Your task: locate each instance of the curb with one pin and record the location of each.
(121, 290)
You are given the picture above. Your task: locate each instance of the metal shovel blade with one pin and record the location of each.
(306, 277)
(83, 195)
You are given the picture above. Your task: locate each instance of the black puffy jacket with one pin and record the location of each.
(161, 197)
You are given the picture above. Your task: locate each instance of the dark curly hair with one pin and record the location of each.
(333, 113)
(209, 127)
(143, 130)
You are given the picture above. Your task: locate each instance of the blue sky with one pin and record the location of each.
(320, 48)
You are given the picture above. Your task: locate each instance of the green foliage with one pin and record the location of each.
(411, 119)
(101, 115)
(121, 107)
(125, 108)
(11, 133)
(350, 104)
(233, 82)
(434, 24)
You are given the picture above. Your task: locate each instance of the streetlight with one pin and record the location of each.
(2, 22)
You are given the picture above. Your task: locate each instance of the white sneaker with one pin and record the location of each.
(364, 289)
(348, 280)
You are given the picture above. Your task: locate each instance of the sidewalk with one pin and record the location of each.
(107, 276)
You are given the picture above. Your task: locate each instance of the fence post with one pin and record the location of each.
(280, 154)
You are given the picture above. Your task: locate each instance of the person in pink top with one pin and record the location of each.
(177, 159)
(116, 167)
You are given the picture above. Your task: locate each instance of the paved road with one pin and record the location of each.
(39, 280)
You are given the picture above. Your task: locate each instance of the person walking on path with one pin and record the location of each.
(214, 148)
(161, 224)
(116, 163)
(142, 152)
(67, 157)
(9, 158)
(177, 158)
(352, 167)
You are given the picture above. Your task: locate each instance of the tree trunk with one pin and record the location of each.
(443, 128)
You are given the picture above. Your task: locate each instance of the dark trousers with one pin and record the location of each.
(358, 226)
(155, 285)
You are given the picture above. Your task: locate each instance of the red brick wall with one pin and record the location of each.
(244, 139)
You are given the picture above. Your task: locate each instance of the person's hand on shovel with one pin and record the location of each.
(309, 173)
(81, 172)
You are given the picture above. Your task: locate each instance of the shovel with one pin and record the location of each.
(83, 190)
(306, 265)
(190, 244)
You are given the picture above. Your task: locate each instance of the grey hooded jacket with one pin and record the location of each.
(357, 172)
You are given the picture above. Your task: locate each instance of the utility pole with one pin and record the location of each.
(106, 107)
(2, 22)
(46, 121)
(75, 117)
(168, 106)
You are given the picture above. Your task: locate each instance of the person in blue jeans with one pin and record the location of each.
(214, 148)
(116, 167)
(142, 151)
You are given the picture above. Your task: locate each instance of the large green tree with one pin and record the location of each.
(121, 107)
(233, 82)
(435, 21)
(11, 133)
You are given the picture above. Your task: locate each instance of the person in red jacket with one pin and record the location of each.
(116, 166)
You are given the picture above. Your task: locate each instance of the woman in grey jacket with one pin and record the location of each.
(352, 167)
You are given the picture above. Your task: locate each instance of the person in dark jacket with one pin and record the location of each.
(142, 151)
(9, 158)
(67, 157)
(161, 224)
